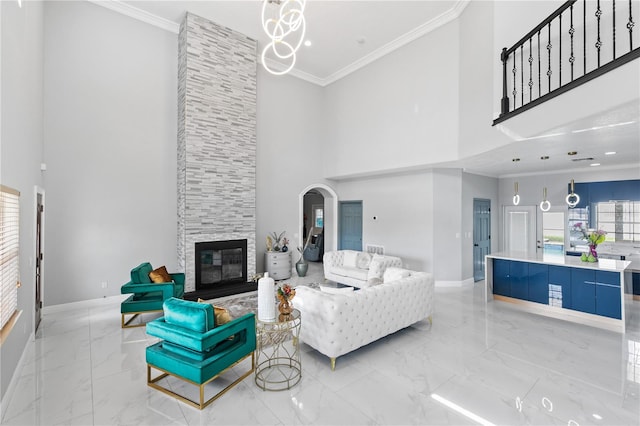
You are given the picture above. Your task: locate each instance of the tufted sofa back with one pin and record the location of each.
(336, 324)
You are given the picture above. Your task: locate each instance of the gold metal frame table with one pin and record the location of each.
(278, 365)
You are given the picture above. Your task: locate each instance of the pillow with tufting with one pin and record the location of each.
(350, 258)
(393, 274)
(363, 260)
(221, 314)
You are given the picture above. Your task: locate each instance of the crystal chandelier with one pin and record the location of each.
(286, 31)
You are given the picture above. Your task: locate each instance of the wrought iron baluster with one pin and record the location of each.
(514, 92)
(630, 25)
(522, 73)
(571, 32)
(584, 32)
(539, 69)
(598, 42)
(530, 72)
(560, 51)
(614, 29)
(549, 46)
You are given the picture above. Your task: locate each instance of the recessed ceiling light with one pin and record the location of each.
(307, 43)
(610, 153)
(572, 152)
(361, 40)
(594, 164)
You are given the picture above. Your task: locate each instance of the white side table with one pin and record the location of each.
(278, 264)
(278, 365)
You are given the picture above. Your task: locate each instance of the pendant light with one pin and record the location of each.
(545, 205)
(516, 196)
(572, 199)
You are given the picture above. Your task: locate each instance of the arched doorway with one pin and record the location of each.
(330, 217)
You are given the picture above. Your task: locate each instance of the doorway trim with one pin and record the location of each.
(36, 192)
(331, 206)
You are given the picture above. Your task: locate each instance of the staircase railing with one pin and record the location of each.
(596, 38)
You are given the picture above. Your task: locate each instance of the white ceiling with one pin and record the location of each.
(335, 29)
(345, 35)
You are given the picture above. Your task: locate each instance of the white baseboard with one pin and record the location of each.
(84, 304)
(465, 282)
(4, 404)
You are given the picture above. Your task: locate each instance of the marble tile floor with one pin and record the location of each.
(476, 364)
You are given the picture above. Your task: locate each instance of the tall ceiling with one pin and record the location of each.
(347, 35)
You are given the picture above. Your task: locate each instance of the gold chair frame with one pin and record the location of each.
(202, 404)
(135, 315)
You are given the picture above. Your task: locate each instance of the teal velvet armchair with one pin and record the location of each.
(194, 349)
(147, 296)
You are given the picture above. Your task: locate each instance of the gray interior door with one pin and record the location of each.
(350, 225)
(481, 236)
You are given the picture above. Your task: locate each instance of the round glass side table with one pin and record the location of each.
(278, 365)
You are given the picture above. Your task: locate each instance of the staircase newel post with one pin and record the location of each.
(504, 108)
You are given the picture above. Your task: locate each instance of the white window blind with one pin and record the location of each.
(9, 250)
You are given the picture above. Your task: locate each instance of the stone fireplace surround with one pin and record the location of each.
(216, 140)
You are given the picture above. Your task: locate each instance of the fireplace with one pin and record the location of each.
(220, 264)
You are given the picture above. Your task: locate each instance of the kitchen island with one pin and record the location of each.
(562, 287)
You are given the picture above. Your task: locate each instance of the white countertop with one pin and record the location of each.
(560, 260)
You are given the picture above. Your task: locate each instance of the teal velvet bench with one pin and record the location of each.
(146, 295)
(197, 351)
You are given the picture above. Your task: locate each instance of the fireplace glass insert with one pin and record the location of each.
(220, 263)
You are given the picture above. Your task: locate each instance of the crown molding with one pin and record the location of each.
(139, 14)
(412, 35)
(427, 27)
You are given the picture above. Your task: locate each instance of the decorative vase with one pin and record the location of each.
(284, 249)
(266, 301)
(285, 307)
(592, 256)
(301, 267)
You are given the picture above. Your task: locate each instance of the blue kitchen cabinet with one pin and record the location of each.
(539, 283)
(501, 279)
(560, 286)
(583, 290)
(608, 295)
(519, 273)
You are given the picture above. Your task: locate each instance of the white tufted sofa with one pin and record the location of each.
(363, 269)
(336, 324)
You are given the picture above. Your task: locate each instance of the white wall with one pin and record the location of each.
(21, 154)
(110, 147)
(290, 146)
(399, 112)
(403, 211)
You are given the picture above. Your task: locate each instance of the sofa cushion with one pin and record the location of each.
(193, 316)
(221, 314)
(160, 275)
(140, 274)
(393, 274)
(352, 272)
(350, 258)
(363, 260)
(336, 290)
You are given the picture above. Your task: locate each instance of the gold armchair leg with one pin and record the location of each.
(126, 324)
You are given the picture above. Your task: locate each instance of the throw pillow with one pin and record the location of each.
(221, 314)
(336, 290)
(350, 258)
(393, 274)
(374, 281)
(363, 260)
(160, 275)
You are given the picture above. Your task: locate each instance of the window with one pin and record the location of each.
(318, 216)
(9, 251)
(620, 219)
